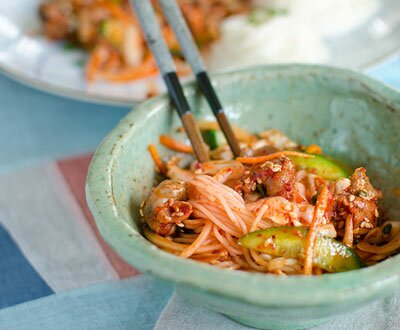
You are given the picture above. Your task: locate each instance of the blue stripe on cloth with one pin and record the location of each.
(134, 303)
(19, 282)
(36, 127)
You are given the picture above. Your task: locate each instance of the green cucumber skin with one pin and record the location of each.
(213, 138)
(329, 254)
(325, 167)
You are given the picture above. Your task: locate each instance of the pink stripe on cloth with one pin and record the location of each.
(74, 171)
(46, 222)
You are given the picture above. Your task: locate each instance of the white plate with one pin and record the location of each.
(31, 59)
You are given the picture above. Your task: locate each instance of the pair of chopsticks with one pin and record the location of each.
(158, 47)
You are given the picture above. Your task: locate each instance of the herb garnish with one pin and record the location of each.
(261, 15)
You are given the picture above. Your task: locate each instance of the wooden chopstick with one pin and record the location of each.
(175, 18)
(158, 47)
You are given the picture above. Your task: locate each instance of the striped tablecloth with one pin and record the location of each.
(56, 272)
(49, 245)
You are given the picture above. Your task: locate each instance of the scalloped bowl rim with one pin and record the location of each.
(254, 288)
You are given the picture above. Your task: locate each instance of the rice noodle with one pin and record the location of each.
(198, 242)
(228, 218)
(220, 215)
(388, 248)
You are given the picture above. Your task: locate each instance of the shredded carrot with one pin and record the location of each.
(170, 39)
(93, 65)
(156, 158)
(112, 62)
(128, 75)
(118, 13)
(175, 145)
(146, 69)
(319, 212)
(348, 232)
(261, 159)
(314, 149)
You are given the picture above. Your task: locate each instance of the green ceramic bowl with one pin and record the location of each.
(353, 117)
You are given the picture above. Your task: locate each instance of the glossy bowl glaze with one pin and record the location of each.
(353, 117)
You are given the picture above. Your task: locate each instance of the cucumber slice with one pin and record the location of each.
(213, 138)
(329, 254)
(322, 165)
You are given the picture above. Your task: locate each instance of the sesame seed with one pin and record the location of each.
(268, 241)
(268, 164)
(276, 168)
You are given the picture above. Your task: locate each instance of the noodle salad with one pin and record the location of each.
(111, 34)
(280, 208)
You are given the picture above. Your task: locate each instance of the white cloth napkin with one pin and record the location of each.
(181, 313)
